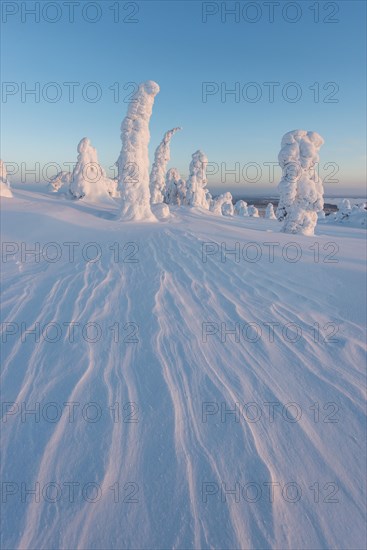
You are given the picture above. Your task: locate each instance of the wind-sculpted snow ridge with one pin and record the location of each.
(301, 190)
(158, 174)
(158, 466)
(197, 193)
(133, 162)
(5, 190)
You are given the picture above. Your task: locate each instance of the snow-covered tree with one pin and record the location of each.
(355, 215)
(159, 168)
(133, 162)
(227, 208)
(344, 210)
(209, 198)
(89, 179)
(196, 184)
(182, 191)
(253, 211)
(358, 216)
(5, 190)
(240, 208)
(301, 190)
(222, 205)
(112, 188)
(60, 183)
(269, 212)
(175, 188)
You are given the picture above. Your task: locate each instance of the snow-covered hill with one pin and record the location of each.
(133, 444)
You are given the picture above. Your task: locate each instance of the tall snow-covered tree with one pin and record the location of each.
(159, 168)
(88, 179)
(240, 208)
(269, 212)
(5, 190)
(196, 184)
(133, 162)
(301, 190)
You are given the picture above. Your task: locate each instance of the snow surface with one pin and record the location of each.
(170, 372)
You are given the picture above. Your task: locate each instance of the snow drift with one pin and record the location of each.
(218, 411)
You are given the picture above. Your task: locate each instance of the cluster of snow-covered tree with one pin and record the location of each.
(354, 215)
(146, 196)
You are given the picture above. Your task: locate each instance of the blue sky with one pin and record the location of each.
(171, 44)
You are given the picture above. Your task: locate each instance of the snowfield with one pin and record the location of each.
(175, 414)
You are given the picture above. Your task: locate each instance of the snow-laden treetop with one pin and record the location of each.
(301, 148)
